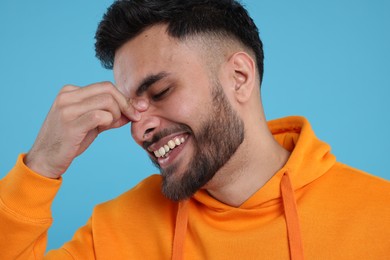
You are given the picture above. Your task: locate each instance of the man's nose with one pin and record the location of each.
(145, 128)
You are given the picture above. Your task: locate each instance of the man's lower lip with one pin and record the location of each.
(166, 161)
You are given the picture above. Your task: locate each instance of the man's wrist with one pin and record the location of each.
(38, 166)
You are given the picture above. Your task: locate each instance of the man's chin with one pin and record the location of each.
(178, 186)
(172, 185)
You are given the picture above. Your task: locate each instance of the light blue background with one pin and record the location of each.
(326, 60)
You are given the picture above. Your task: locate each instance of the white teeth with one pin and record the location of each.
(161, 151)
(177, 141)
(169, 146)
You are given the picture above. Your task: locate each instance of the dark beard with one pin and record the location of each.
(220, 136)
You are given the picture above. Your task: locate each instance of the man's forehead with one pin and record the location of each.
(141, 57)
(147, 58)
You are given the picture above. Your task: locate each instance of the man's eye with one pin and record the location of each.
(161, 94)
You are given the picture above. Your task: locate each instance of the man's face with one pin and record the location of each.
(190, 129)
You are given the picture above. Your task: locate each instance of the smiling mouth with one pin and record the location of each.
(166, 149)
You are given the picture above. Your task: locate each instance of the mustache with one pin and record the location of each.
(165, 132)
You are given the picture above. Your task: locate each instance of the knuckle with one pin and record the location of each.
(106, 83)
(106, 100)
(100, 117)
(107, 86)
(62, 99)
(68, 88)
(95, 116)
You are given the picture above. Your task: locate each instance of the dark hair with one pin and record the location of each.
(125, 19)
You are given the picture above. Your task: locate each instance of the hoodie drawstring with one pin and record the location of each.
(290, 212)
(292, 220)
(180, 231)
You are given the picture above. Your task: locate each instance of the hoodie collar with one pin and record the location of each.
(310, 158)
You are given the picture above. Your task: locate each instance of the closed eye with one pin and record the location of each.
(161, 94)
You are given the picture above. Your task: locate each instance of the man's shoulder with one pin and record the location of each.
(355, 176)
(141, 210)
(146, 191)
(359, 185)
(146, 195)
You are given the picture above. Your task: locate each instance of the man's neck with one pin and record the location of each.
(254, 163)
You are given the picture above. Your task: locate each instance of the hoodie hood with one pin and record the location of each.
(310, 158)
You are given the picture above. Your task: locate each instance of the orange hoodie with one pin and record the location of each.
(313, 208)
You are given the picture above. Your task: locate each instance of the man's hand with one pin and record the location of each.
(76, 118)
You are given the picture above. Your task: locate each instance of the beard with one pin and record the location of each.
(220, 135)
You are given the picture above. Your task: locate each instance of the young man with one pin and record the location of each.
(187, 77)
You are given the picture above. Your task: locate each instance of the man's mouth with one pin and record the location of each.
(166, 149)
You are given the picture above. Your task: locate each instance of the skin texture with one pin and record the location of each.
(219, 137)
(187, 70)
(76, 118)
(156, 81)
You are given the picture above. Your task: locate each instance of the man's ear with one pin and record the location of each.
(244, 75)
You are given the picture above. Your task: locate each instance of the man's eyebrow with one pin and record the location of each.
(149, 81)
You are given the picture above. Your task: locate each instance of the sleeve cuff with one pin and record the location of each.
(27, 193)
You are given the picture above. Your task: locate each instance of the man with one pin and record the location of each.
(187, 77)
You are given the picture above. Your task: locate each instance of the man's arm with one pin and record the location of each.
(25, 217)
(77, 116)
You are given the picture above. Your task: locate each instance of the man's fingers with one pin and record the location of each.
(135, 106)
(69, 88)
(76, 118)
(100, 88)
(98, 119)
(92, 120)
(104, 102)
(130, 108)
(115, 124)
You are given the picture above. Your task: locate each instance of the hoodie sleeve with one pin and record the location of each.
(25, 214)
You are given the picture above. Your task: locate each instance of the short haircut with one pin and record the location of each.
(126, 19)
